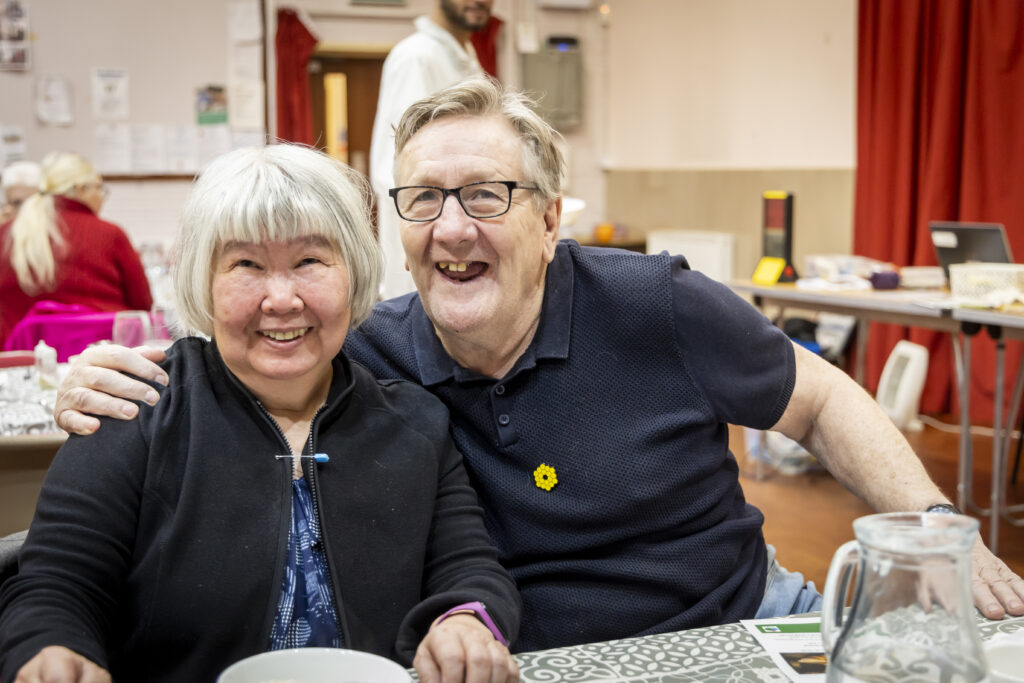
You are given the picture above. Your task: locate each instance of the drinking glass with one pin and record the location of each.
(160, 320)
(131, 328)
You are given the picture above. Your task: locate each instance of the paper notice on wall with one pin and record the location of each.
(244, 24)
(53, 101)
(527, 41)
(182, 149)
(245, 62)
(247, 138)
(12, 144)
(149, 152)
(15, 36)
(112, 148)
(245, 105)
(211, 105)
(110, 99)
(213, 141)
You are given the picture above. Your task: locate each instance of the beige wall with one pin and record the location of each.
(702, 86)
(732, 84)
(729, 201)
(712, 102)
(698, 85)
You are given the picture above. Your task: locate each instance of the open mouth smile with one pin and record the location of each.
(285, 335)
(461, 271)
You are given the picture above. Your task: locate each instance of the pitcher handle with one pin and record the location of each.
(833, 601)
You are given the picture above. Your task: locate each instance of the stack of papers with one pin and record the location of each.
(793, 644)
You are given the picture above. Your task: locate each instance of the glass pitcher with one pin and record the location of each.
(911, 616)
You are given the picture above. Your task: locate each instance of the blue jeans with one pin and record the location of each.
(786, 593)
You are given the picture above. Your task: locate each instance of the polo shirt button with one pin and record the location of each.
(503, 420)
(500, 390)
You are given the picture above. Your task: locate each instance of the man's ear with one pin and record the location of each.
(552, 219)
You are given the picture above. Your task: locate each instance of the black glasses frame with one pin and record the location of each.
(456, 192)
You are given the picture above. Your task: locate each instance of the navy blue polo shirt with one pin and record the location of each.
(602, 458)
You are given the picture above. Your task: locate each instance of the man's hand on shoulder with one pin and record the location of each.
(97, 385)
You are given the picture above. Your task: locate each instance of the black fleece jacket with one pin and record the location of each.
(158, 544)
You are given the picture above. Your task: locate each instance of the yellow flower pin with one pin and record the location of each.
(545, 478)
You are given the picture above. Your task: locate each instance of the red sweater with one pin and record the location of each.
(97, 267)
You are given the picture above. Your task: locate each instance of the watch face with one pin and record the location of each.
(943, 509)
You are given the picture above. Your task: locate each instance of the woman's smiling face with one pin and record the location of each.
(280, 311)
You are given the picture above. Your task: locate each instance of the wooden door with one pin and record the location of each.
(362, 85)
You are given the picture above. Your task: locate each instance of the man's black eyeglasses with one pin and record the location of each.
(422, 203)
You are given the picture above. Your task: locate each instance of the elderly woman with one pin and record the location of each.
(278, 495)
(59, 249)
(19, 181)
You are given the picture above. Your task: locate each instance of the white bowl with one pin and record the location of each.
(314, 665)
(1005, 660)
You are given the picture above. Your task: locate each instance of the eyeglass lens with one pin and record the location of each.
(479, 200)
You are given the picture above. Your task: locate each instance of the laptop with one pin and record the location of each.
(956, 242)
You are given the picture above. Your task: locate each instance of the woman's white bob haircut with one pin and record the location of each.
(269, 194)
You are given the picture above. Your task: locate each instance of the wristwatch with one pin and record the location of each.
(479, 610)
(944, 509)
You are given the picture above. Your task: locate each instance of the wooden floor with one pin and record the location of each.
(808, 516)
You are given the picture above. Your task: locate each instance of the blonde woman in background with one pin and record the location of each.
(58, 249)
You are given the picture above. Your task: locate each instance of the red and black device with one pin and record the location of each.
(777, 238)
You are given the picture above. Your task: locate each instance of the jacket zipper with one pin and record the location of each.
(309, 470)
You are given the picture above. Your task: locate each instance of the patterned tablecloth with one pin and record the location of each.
(719, 654)
(25, 406)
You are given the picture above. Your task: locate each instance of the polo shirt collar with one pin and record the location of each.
(551, 341)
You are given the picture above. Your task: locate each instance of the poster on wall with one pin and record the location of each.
(211, 105)
(112, 148)
(244, 22)
(53, 101)
(15, 48)
(12, 144)
(110, 94)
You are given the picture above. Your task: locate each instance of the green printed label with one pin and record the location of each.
(789, 628)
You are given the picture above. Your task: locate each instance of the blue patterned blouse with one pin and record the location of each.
(305, 610)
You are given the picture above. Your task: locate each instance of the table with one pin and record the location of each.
(913, 308)
(726, 653)
(1000, 326)
(901, 307)
(29, 439)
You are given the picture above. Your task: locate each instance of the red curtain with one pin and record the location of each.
(940, 98)
(485, 42)
(294, 45)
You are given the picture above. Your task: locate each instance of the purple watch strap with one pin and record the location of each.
(480, 611)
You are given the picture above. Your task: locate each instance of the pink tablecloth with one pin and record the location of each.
(69, 328)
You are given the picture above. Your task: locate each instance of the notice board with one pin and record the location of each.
(143, 88)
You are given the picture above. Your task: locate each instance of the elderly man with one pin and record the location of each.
(438, 55)
(20, 180)
(590, 392)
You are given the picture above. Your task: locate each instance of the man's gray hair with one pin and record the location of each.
(274, 193)
(543, 161)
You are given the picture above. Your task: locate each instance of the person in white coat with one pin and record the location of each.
(438, 55)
